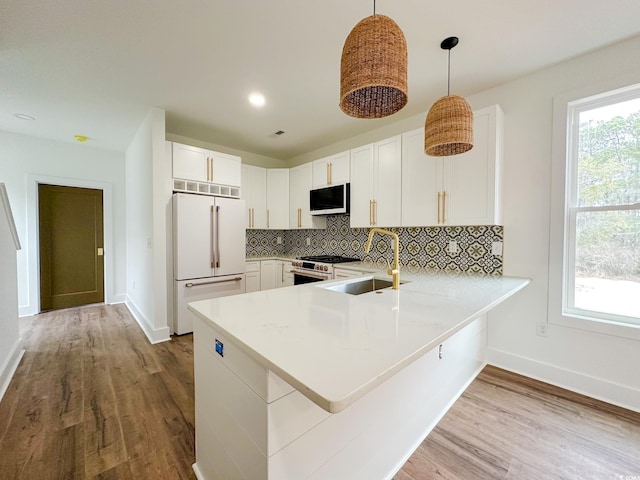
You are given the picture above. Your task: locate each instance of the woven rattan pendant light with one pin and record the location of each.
(373, 69)
(448, 129)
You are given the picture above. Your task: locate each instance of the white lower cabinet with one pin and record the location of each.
(267, 274)
(252, 277)
(283, 273)
(251, 423)
(343, 273)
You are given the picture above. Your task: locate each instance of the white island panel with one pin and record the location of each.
(316, 384)
(309, 335)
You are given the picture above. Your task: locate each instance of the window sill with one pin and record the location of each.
(598, 325)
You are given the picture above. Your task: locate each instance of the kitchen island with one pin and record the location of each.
(308, 382)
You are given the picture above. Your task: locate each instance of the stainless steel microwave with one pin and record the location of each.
(331, 200)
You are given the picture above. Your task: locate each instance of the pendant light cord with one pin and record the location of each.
(449, 75)
(374, 7)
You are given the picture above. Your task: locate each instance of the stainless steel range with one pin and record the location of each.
(316, 268)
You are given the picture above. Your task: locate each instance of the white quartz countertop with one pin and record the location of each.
(334, 347)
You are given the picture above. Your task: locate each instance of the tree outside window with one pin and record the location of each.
(602, 271)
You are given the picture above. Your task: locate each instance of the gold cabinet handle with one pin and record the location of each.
(444, 206)
(282, 278)
(208, 169)
(268, 219)
(211, 160)
(370, 212)
(375, 212)
(439, 195)
(330, 173)
(299, 218)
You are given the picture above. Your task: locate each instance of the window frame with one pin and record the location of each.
(564, 212)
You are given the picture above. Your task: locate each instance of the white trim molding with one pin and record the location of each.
(4, 200)
(9, 368)
(560, 309)
(154, 335)
(593, 387)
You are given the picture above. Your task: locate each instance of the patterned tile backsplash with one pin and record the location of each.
(424, 247)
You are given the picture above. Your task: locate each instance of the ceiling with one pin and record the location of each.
(94, 67)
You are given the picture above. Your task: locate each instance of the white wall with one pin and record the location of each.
(599, 365)
(10, 342)
(25, 161)
(148, 184)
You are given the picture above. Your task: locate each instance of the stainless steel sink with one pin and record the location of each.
(363, 286)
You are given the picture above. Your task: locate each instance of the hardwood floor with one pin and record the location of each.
(92, 399)
(506, 426)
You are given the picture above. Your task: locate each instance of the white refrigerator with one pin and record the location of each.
(208, 252)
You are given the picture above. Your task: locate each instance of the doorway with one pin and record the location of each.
(71, 246)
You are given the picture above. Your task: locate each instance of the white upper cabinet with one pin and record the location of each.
(332, 170)
(461, 189)
(473, 179)
(421, 182)
(201, 165)
(299, 210)
(254, 193)
(277, 198)
(266, 193)
(225, 169)
(376, 184)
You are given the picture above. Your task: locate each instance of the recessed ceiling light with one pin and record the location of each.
(81, 138)
(257, 99)
(24, 116)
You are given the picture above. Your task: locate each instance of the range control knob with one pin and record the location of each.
(326, 268)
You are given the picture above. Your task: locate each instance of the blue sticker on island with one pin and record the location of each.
(219, 348)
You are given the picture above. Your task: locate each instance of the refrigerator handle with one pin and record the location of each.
(217, 238)
(213, 237)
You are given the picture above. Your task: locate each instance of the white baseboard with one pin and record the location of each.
(26, 311)
(196, 471)
(10, 365)
(117, 298)
(598, 388)
(156, 335)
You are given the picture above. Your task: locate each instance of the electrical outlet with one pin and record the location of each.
(541, 329)
(308, 241)
(279, 240)
(496, 248)
(453, 246)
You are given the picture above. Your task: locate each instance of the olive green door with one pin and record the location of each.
(71, 246)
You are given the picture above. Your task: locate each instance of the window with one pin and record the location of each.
(601, 257)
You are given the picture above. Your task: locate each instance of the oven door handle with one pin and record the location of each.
(311, 274)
